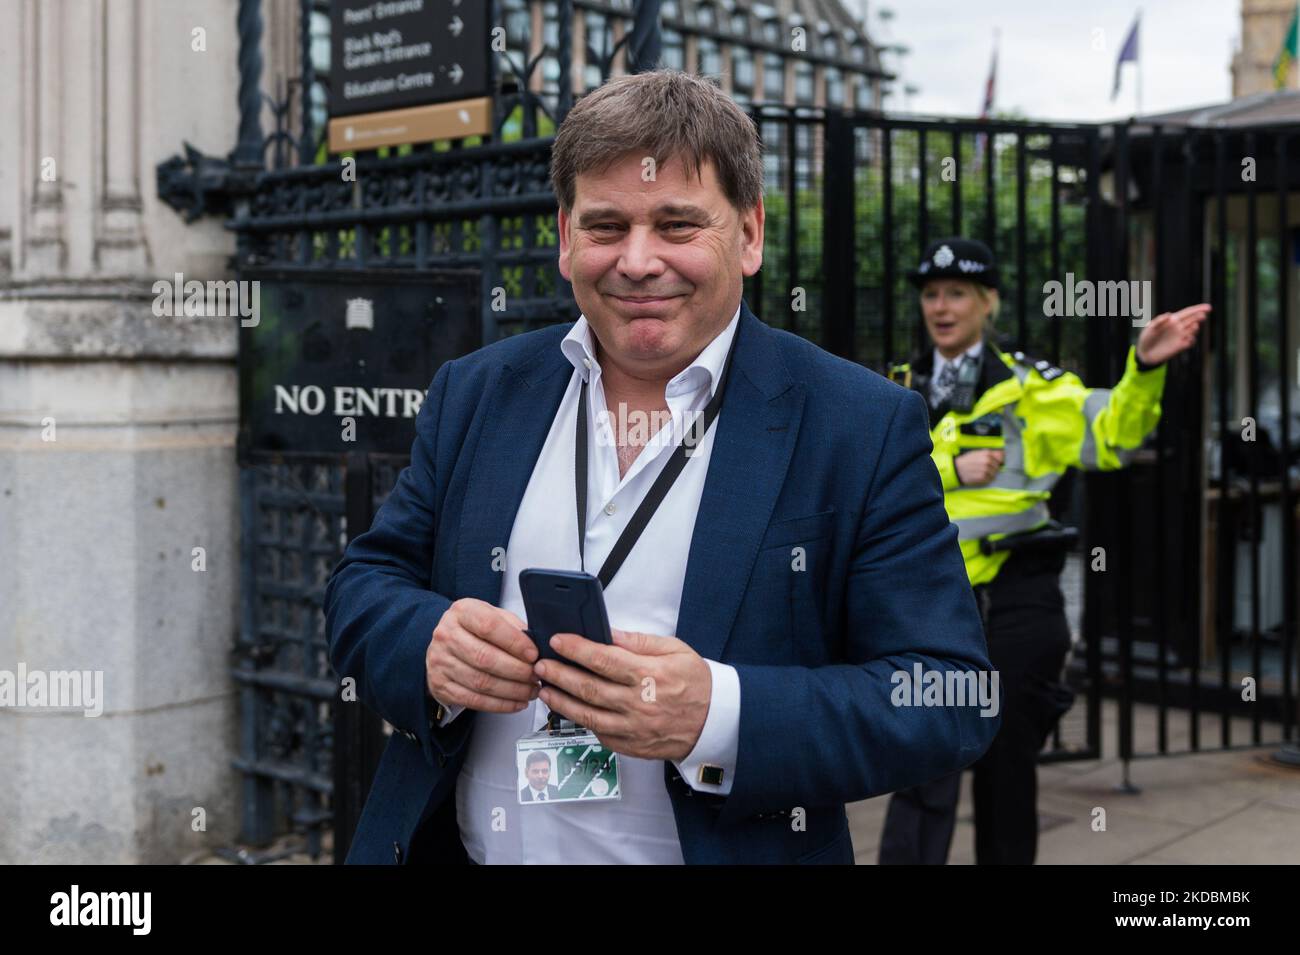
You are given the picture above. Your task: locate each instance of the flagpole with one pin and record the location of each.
(1137, 52)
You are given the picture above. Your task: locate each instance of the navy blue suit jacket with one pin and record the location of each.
(811, 451)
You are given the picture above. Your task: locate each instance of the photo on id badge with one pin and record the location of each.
(569, 768)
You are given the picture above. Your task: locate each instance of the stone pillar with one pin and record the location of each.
(45, 248)
(117, 432)
(1263, 30)
(120, 246)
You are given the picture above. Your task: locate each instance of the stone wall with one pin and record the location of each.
(117, 431)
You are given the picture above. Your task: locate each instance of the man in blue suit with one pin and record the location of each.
(778, 565)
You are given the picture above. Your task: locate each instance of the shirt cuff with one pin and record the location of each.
(449, 712)
(720, 739)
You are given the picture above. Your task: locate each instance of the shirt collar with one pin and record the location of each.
(972, 352)
(579, 347)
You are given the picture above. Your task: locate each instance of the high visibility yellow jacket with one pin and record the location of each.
(1044, 420)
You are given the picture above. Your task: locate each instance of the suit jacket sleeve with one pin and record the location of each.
(379, 609)
(830, 735)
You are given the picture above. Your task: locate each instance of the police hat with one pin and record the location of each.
(957, 258)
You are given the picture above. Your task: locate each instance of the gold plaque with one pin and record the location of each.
(415, 124)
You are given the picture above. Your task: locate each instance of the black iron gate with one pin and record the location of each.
(1196, 608)
(1205, 214)
(331, 377)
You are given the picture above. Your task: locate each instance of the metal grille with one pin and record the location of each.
(1125, 202)
(294, 535)
(490, 207)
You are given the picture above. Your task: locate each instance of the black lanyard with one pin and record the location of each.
(658, 491)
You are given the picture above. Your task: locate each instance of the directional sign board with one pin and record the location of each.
(406, 71)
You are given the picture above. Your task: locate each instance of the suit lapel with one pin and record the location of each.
(517, 417)
(756, 432)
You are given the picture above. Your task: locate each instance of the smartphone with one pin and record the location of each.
(563, 601)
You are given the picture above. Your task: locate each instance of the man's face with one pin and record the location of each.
(538, 774)
(656, 266)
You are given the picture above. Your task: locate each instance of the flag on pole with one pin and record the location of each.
(1282, 65)
(991, 85)
(1127, 54)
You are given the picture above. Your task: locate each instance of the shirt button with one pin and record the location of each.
(587, 362)
(610, 509)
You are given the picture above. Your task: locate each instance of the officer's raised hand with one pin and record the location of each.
(978, 467)
(1170, 333)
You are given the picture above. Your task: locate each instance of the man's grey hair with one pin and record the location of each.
(663, 114)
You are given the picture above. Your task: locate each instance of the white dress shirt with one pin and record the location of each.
(940, 362)
(644, 596)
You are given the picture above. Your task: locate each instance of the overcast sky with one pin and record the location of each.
(1047, 67)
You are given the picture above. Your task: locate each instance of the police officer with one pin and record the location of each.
(1005, 427)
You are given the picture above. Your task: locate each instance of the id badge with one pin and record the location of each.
(565, 765)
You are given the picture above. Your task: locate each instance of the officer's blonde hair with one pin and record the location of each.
(990, 299)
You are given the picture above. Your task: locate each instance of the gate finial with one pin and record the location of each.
(645, 43)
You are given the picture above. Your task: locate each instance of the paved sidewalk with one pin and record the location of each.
(1214, 807)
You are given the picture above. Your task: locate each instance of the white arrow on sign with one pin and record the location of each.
(456, 72)
(456, 26)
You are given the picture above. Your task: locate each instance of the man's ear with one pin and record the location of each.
(751, 239)
(563, 226)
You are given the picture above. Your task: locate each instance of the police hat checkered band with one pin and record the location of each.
(956, 258)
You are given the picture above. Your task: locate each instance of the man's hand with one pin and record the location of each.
(480, 658)
(647, 696)
(978, 467)
(1170, 333)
